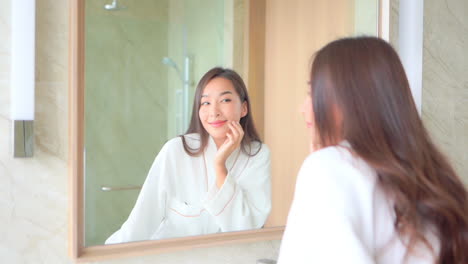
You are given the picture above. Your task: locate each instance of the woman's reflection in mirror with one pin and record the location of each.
(214, 178)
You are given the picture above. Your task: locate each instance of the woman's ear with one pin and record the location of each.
(245, 109)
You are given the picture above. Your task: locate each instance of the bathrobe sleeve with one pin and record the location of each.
(325, 222)
(149, 209)
(244, 200)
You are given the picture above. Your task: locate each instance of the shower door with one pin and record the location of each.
(143, 60)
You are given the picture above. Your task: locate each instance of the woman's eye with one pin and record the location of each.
(226, 100)
(205, 103)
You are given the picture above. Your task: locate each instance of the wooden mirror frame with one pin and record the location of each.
(77, 250)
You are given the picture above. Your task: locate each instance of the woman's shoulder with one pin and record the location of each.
(192, 140)
(334, 178)
(339, 165)
(337, 155)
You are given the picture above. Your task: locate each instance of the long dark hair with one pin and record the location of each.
(364, 79)
(250, 133)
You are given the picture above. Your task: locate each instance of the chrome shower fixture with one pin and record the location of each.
(113, 6)
(169, 62)
(182, 94)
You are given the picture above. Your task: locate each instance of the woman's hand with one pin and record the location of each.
(232, 142)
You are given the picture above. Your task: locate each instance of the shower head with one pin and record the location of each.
(113, 6)
(170, 62)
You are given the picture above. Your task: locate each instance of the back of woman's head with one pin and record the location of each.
(361, 94)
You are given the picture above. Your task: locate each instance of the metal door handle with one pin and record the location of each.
(124, 188)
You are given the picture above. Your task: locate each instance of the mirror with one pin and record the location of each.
(143, 60)
(134, 70)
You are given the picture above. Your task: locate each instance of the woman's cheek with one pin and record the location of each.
(202, 114)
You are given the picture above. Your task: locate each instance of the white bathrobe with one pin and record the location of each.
(341, 215)
(180, 196)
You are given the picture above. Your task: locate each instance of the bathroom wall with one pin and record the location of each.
(445, 78)
(307, 25)
(33, 192)
(125, 106)
(211, 33)
(366, 17)
(445, 83)
(195, 30)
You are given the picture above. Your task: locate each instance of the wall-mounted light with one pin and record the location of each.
(384, 22)
(410, 44)
(22, 75)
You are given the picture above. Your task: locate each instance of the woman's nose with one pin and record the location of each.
(214, 110)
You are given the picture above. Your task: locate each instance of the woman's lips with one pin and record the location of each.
(218, 123)
(309, 124)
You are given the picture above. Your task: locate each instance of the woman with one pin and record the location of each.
(214, 178)
(375, 189)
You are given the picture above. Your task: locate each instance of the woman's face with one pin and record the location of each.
(307, 113)
(306, 110)
(219, 104)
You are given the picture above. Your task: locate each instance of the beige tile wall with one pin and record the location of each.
(445, 78)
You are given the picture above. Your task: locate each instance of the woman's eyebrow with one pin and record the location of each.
(225, 92)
